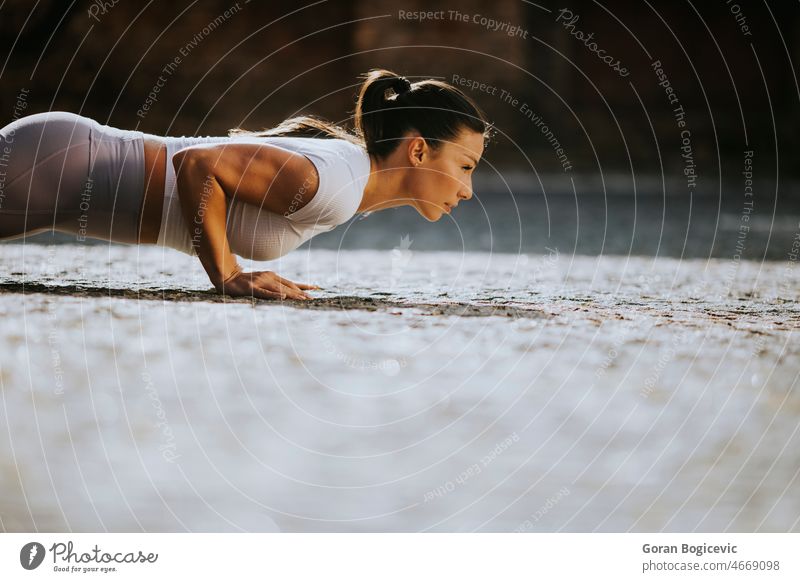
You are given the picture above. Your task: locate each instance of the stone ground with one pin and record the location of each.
(418, 391)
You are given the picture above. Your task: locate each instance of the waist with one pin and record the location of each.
(155, 156)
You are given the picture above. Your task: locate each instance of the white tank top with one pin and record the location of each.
(258, 234)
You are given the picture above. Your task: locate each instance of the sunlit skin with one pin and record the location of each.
(431, 180)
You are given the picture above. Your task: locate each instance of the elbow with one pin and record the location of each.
(178, 160)
(190, 160)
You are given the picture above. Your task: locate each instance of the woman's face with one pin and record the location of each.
(442, 177)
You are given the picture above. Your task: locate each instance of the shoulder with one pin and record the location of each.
(346, 163)
(343, 168)
(330, 155)
(330, 151)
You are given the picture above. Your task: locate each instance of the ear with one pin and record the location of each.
(418, 150)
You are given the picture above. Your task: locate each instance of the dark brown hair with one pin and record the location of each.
(388, 106)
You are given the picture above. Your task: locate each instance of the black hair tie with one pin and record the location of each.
(402, 85)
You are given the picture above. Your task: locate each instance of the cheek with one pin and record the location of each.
(423, 185)
(433, 184)
(445, 183)
(455, 183)
(436, 184)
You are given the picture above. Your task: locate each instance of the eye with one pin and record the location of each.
(466, 167)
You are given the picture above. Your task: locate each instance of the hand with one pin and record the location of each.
(264, 285)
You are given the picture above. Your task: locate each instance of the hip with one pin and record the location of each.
(155, 156)
(67, 172)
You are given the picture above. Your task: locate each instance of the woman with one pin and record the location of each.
(256, 194)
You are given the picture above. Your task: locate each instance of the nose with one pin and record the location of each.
(465, 193)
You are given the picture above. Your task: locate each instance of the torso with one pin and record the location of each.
(256, 233)
(155, 158)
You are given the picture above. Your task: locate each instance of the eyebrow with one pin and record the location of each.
(473, 159)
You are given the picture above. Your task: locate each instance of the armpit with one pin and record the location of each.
(337, 197)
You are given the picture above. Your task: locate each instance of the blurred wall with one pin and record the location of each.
(179, 67)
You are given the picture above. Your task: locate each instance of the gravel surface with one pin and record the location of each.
(418, 391)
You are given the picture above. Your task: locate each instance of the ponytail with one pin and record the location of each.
(389, 106)
(301, 126)
(374, 117)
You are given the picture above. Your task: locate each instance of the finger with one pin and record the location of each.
(299, 295)
(290, 293)
(288, 283)
(295, 287)
(267, 294)
(271, 282)
(307, 286)
(292, 284)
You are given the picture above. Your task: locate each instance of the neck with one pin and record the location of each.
(385, 188)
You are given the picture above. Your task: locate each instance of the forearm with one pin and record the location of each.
(204, 209)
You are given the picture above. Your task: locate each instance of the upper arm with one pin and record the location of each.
(267, 176)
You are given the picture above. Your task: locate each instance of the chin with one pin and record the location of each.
(430, 211)
(433, 216)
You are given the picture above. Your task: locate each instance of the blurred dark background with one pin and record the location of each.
(607, 175)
